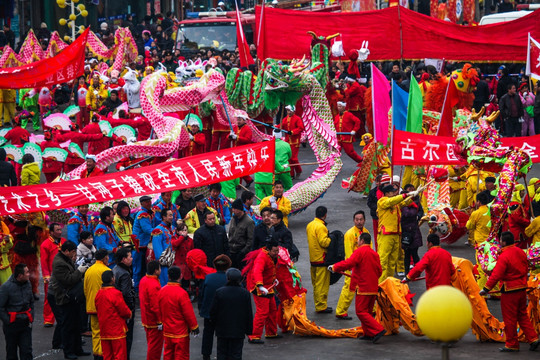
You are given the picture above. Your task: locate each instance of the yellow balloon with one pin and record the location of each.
(67, 38)
(75, 1)
(70, 24)
(72, 17)
(84, 13)
(62, 22)
(81, 7)
(61, 2)
(444, 314)
(82, 28)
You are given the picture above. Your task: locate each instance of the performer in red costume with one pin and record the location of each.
(261, 283)
(293, 126)
(180, 319)
(346, 122)
(366, 270)
(91, 169)
(511, 270)
(244, 137)
(49, 249)
(51, 167)
(149, 288)
(354, 97)
(437, 263)
(112, 313)
(197, 139)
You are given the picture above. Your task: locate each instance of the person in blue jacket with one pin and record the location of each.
(80, 222)
(161, 239)
(104, 234)
(142, 229)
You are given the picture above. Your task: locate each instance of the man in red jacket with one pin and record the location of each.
(91, 169)
(180, 319)
(354, 97)
(112, 313)
(437, 263)
(366, 270)
(345, 122)
(293, 126)
(244, 136)
(261, 283)
(17, 132)
(511, 270)
(48, 250)
(149, 287)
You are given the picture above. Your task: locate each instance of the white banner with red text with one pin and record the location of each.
(420, 149)
(193, 171)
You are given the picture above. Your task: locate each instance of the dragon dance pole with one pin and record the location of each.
(226, 112)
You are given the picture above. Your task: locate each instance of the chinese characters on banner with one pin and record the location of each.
(178, 174)
(419, 149)
(64, 67)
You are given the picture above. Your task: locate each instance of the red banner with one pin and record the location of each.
(422, 36)
(66, 66)
(178, 174)
(419, 149)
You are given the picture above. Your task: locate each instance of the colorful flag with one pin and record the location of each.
(399, 107)
(533, 59)
(243, 47)
(414, 109)
(446, 123)
(380, 97)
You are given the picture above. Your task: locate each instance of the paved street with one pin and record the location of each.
(403, 346)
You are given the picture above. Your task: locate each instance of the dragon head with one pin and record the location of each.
(465, 78)
(286, 83)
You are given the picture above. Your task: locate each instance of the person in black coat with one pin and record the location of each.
(211, 283)
(282, 234)
(481, 94)
(263, 231)
(411, 235)
(211, 239)
(8, 177)
(232, 316)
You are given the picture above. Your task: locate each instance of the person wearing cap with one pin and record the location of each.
(211, 283)
(242, 137)
(241, 230)
(346, 122)
(161, 238)
(91, 169)
(261, 282)
(80, 222)
(293, 126)
(277, 201)
(164, 202)
(389, 226)
(354, 97)
(373, 196)
(195, 218)
(142, 230)
(113, 314)
(92, 284)
(197, 139)
(180, 321)
(232, 316)
(150, 314)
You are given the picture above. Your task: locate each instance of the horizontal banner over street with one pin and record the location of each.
(420, 149)
(193, 171)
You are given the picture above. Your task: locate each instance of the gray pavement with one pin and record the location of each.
(403, 346)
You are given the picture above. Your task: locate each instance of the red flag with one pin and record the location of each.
(446, 124)
(533, 59)
(260, 31)
(243, 47)
(64, 67)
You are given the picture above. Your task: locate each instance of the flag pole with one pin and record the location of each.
(392, 132)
